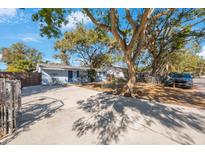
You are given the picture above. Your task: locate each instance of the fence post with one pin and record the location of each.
(10, 107)
(10, 103)
(4, 115)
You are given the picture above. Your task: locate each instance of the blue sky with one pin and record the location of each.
(16, 26)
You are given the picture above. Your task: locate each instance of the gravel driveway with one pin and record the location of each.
(75, 115)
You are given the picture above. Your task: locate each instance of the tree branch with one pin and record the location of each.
(130, 20)
(92, 18)
(114, 29)
(142, 27)
(162, 14)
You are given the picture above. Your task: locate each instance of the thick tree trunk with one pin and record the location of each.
(154, 69)
(128, 89)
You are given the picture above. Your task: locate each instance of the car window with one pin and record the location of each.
(182, 75)
(177, 75)
(187, 75)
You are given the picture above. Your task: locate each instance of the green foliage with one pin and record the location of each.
(177, 31)
(117, 57)
(50, 20)
(21, 58)
(83, 37)
(92, 74)
(101, 60)
(91, 46)
(186, 62)
(168, 33)
(63, 56)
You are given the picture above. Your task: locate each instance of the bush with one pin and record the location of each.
(119, 80)
(92, 74)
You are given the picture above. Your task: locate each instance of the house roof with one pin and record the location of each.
(113, 67)
(61, 67)
(66, 67)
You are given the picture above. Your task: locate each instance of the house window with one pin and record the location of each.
(78, 74)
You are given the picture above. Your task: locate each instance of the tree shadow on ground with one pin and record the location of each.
(169, 95)
(111, 116)
(32, 112)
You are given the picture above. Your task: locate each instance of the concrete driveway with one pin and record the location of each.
(74, 115)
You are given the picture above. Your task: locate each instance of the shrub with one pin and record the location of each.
(92, 74)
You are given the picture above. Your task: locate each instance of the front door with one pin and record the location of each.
(70, 76)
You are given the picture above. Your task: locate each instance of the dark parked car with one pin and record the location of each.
(180, 80)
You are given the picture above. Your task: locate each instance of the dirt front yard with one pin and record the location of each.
(76, 115)
(169, 95)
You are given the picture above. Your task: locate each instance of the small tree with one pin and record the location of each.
(21, 58)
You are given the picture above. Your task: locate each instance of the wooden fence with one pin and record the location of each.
(27, 79)
(10, 105)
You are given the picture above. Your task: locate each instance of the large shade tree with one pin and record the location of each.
(21, 58)
(179, 29)
(128, 27)
(92, 47)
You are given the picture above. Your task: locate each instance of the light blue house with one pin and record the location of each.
(61, 74)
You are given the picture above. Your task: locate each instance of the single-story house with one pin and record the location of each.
(61, 74)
